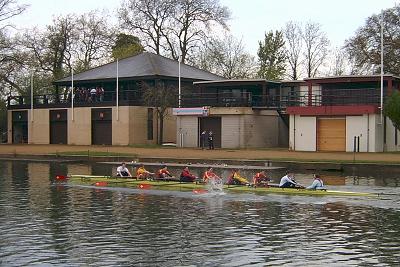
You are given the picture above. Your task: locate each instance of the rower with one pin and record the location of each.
(186, 176)
(209, 175)
(142, 173)
(261, 179)
(317, 183)
(236, 178)
(288, 181)
(122, 171)
(163, 173)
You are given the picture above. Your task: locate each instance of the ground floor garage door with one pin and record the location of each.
(58, 126)
(19, 127)
(211, 124)
(331, 134)
(101, 126)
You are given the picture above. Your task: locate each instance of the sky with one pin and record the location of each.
(339, 19)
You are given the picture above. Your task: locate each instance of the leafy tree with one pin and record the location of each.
(271, 56)
(392, 109)
(226, 57)
(316, 48)
(161, 96)
(365, 46)
(126, 46)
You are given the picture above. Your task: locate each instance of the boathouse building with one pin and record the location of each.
(96, 119)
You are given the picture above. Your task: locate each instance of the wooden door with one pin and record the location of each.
(331, 134)
(101, 126)
(58, 126)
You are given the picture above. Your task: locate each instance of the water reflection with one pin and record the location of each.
(55, 224)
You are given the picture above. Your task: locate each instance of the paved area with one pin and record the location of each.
(194, 153)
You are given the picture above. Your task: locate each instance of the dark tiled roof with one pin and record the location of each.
(143, 65)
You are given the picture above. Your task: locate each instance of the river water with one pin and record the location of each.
(42, 223)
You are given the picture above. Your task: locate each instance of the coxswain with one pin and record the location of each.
(317, 183)
(122, 171)
(186, 176)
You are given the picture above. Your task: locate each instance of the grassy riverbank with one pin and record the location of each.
(195, 153)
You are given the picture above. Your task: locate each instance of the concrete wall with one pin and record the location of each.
(240, 127)
(261, 130)
(187, 131)
(120, 127)
(170, 127)
(80, 129)
(303, 133)
(232, 128)
(39, 128)
(357, 126)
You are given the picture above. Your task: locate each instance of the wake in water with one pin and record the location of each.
(215, 186)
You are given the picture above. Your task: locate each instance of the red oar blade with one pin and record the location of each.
(200, 191)
(61, 177)
(100, 184)
(144, 186)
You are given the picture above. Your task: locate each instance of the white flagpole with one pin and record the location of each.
(179, 82)
(117, 91)
(382, 67)
(32, 97)
(72, 93)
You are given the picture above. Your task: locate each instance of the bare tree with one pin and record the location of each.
(173, 27)
(92, 40)
(9, 9)
(191, 22)
(293, 45)
(161, 96)
(338, 62)
(226, 57)
(316, 47)
(147, 19)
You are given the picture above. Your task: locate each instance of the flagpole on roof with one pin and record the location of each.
(382, 67)
(117, 92)
(72, 93)
(32, 97)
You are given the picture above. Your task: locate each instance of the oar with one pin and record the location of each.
(61, 177)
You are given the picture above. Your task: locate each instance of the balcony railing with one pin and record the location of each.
(226, 99)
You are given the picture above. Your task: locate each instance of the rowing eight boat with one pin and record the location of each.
(107, 181)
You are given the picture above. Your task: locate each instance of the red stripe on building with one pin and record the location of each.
(333, 110)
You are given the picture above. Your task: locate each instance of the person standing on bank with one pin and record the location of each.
(210, 140)
(203, 139)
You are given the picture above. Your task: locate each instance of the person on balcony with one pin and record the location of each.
(93, 94)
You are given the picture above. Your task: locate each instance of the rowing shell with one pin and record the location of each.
(107, 181)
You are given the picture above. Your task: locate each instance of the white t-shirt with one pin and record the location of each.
(121, 169)
(286, 179)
